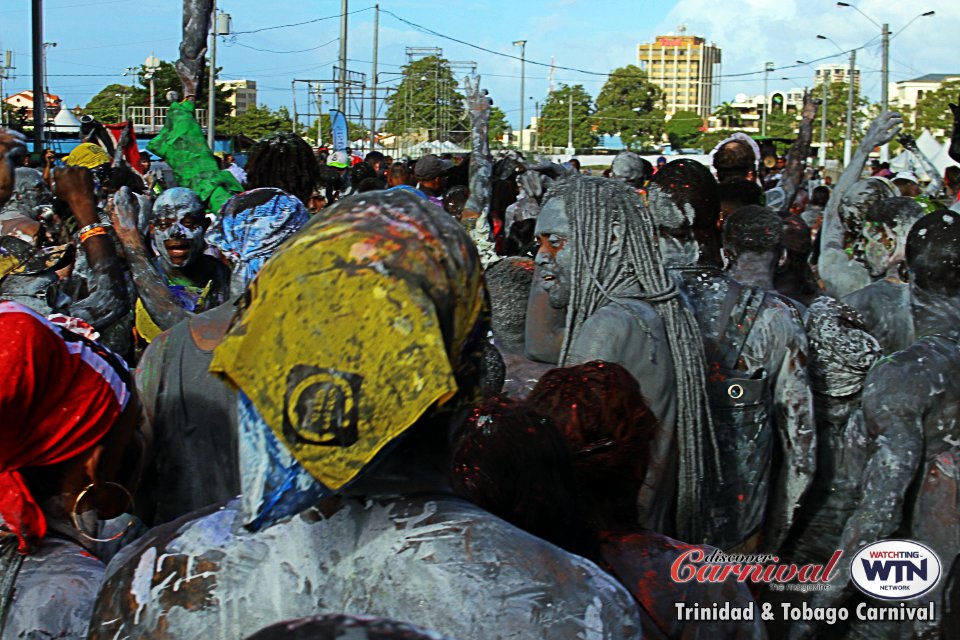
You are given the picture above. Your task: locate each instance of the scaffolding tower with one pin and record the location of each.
(326, 92)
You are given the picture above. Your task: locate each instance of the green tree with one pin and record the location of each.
(354, 130)
(258, 122)
(427, 101)
(107, 106)
(710, 139)
(782, 125)
(684, 128)
(498, 124)
(555, 121)
(932, 111)
(837, 98)
(630, 105)
(728, 114)
(166, 79)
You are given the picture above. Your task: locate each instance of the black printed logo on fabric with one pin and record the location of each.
(321, 407)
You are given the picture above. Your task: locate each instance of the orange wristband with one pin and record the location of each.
(89, 233)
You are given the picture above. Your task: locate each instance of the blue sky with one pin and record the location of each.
(98, 39)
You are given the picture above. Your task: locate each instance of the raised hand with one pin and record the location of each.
(883, 129)
(126, 214)
(73, 184)
(907, 141)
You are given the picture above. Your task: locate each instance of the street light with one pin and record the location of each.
(152, 65)
(885, 39)
(822, 153)
(767, 68)
(851, 94)
(523, 76)
(46, 85)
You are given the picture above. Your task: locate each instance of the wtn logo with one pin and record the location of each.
(895, 569)
(904, 570)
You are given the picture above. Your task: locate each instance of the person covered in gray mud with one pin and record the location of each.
(103, 301)
(842, 351)
(884, 304)
(177, 277)
(839, 265)
(794, 277)
(756, 353)
(600, 268)
(357, 483)
(753, 245)
(509, 282)
(910, 411)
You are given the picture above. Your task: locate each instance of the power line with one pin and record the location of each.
(246, 46)
(300, 24)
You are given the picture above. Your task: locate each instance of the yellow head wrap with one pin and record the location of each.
(87, 155)
(360, 324)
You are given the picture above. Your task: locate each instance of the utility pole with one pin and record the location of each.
(523, 76)
(4, 74)
(570, 148)
(293, 89)
(851, 96)
(885, 89)
(212, 86)
(768, 67)
(823, 125)
(536, 130)
(342, 90)
(39, 100)
(373, 95)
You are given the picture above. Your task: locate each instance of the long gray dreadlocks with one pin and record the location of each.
(598, 278)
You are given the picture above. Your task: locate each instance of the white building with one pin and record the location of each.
(244, 95)
(906, 94)
(835, 73)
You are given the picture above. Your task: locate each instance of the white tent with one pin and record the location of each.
(65, 122)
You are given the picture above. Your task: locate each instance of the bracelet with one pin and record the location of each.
(89, 233)
(93, 225)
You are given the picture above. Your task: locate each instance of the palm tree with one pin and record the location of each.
(727, 114)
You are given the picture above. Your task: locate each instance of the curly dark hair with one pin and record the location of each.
(512, 462)
(609, 426)
(284, 161)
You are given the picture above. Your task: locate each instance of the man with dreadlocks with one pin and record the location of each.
(598, 262)
(756, 353)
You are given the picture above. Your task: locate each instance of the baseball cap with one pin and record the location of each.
(430, 166)
(339, 160)
(906, 175)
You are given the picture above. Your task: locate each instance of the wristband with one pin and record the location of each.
(83, 230)
(97, 230)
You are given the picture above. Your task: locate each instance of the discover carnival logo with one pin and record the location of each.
(895, 569)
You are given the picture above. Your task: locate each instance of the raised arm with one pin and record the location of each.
(936, 180)
(108, 300)
(153, 292)
(477, 207)
(797, 155)
(881, 131)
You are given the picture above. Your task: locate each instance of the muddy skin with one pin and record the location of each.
(193, 46)
(792, 173)
(839, 274)
(29, 192)
(201, 269)
(476, 212)
(911, 413)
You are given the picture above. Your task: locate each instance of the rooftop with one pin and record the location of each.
(935, 77)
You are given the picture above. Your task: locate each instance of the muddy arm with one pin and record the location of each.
(936, 180)
(107, 302)
(797, 155)
(793, 417)
(153, 292)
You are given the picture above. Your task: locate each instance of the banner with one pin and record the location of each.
(338, 127)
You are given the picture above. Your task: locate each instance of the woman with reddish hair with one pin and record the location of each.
(68, 413)
(567, 466)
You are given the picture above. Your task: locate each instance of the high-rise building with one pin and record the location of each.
(686, 68)
(835, 73)
(244, 95)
